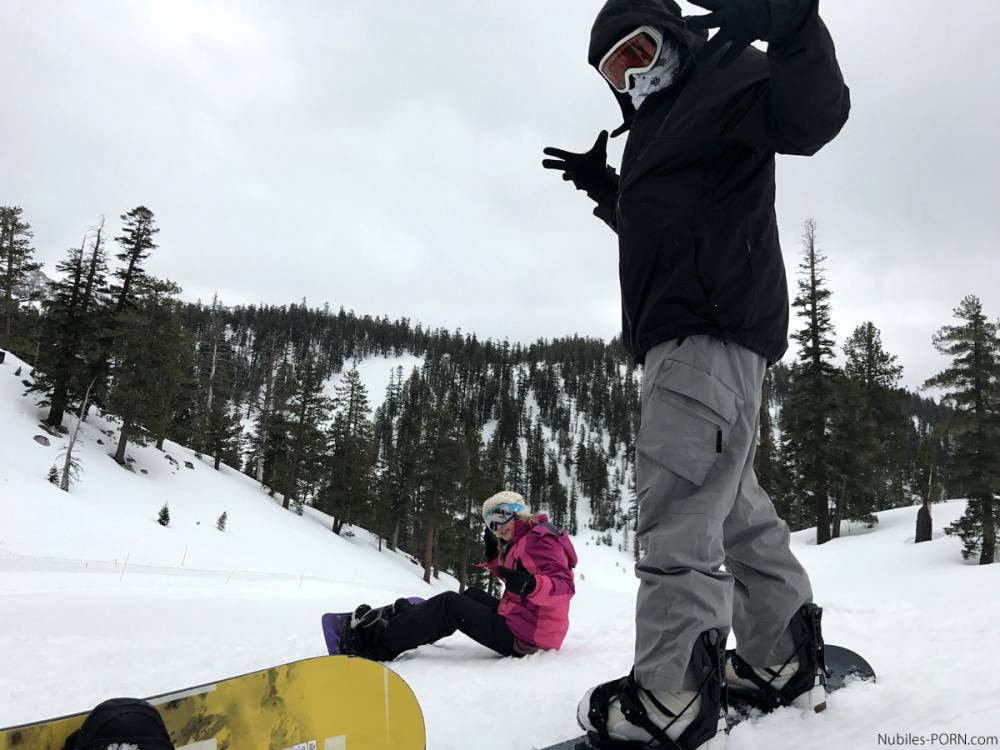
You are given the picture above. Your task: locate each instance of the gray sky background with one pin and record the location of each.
(386, 157)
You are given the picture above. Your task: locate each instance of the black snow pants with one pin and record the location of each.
(473, 612)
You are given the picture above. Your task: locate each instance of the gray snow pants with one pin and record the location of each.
(700, 507)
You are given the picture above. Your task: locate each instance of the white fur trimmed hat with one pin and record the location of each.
(507, 496)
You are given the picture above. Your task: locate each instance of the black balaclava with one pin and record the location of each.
(619, 17)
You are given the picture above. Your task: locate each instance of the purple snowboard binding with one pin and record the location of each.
(336, 623)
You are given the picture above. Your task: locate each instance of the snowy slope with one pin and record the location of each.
(89, 579)
(194, 604)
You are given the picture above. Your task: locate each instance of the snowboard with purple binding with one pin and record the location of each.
(335, 623)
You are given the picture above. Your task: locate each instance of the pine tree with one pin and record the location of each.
(348, 493)
(71, 464)
(304, 412)
(474, 487)
(870, 365)
(15, 261)
(866, 419)
(443, 478)
(172, 405)
(213, 355)
(535, 465)
(558, 498)
(276, 450)
(164, 518)
(877, 375)
(407, 469)
(221, 523)
(514, 478)
(71, 472)
(179, 409)
(810, 402)
(574, 526)
(770, 461)
(495, 462)
(932, 449)
(218, 430)
(71, 328)
(136, 242)
(854, 450)
(388, 468)
(147, 360)
(509, 418)
(223, 431)
(263, 421)
(974, 380)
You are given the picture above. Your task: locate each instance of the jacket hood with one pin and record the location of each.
(618, 17)
(542, 528)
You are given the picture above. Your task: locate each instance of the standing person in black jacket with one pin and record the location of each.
(705, 310)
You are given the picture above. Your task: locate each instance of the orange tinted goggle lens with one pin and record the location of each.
(635, 54)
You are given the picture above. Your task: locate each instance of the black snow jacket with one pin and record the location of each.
(694, 204)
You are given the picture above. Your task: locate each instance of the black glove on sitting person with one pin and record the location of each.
(491, 547)
(518, 580)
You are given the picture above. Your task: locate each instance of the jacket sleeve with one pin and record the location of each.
(804, 102)
(554, 576)
(605, 196)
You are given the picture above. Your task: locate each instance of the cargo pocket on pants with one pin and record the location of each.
(687, 421)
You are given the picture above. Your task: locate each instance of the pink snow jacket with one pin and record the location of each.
(540, 619)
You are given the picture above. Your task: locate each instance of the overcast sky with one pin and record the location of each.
(385, 157)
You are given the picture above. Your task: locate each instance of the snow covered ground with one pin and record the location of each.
(98, 600)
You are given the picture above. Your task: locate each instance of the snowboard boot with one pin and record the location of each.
(400, 606)
(623, 714)
(121, 723)
(360, 635)
(799, 681)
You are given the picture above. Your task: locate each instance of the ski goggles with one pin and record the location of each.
(501, 514)
(634, 54)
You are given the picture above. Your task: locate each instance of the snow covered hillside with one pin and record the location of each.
(375, 373)
(98, 600)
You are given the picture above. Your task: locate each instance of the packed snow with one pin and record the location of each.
(98, 600)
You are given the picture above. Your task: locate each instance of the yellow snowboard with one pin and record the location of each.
(326, 703)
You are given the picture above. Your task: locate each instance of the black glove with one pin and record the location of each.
(740, 23)
(491, 546)
(589, 172)
(518, 580)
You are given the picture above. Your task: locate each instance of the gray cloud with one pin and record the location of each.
(385, 157)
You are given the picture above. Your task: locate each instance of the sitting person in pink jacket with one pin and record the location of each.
(536, 562)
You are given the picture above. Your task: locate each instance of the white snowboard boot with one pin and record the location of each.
(744, 688)
(623, 714)
(798, 681)
(659, 714)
